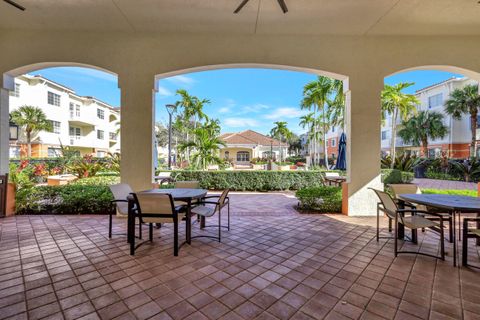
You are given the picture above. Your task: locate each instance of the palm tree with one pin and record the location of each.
(397, 103)
(307, 121)
(423, 127)
(336, 105)
(317, 94)
(32, 120)
(465, 101)
(280, 131)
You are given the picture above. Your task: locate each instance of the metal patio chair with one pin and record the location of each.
(469, 233)
(398, 189)
(206, 208)
(157, 208)
(120, 193)
(413, 221)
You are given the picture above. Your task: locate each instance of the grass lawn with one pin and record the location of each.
(470, 193)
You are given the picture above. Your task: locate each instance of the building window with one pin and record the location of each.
(16, 92)
(53, 99)
(100, 114)
(333, 129)
(243, 156)
(113, 136)
(75, 132)
(384, 135)
(333, 142)
(74, 110)
(101, 154)
(100, 134)
(56, 127)
(435, 101)
(54, 152)
(227, 155)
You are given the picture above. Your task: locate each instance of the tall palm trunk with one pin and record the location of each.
(473, 125)
(394, 136)
(29, 144)
(314, 136)
(325, 153)
(425, 147)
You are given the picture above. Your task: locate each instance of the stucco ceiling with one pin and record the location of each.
(312, 17)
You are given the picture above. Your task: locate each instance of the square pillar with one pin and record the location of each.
(4, 130)
(363, 120)
(136, 130)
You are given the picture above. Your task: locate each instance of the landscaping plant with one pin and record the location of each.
(322, 199)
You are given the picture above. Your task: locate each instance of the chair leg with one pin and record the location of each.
(228, 215)
(442, 240)
(110, 226)
(389, 225)
(465, 244)
(220, 225)
(451, 229)
(378, 223)
(150, 232)
(175, 238)
(139, 229)
(396, 237)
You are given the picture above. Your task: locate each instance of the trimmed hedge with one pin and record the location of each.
(322, 199)
(252, 180)
(470, 193)
(106, 180)
(67, 199)
(394, 176)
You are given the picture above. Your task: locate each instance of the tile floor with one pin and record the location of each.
(285, 266)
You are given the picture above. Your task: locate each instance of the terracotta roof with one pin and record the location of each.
(249, 137)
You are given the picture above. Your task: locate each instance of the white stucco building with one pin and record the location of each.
(85, 124)
(432, 98)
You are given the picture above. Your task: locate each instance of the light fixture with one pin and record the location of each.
(13, 131)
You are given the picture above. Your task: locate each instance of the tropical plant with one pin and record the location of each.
(84, 167)
(467, 169)
(422, 127)
(397, 103)
(465, 101)
(403, 162)
(32, 120)
(114, 162)
(281, 133)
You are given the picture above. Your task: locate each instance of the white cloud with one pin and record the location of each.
(164, 92)
(181, 80)
(93, 73)
(241, 122)
(256, 108)
(284, 113)
(224, 110)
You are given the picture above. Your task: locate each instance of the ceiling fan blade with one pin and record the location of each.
(283, 5)
(240, 7)
(16, 5)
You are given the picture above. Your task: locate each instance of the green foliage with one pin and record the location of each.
(68, 199)
(469, 170)
(394, 176)
(21, 176)
(434, 174)
(98, 181)
(296, 159)
(470, 193)
(252, 180)
(114, 162)
(84, 167)
(323, 199)
(403, 162)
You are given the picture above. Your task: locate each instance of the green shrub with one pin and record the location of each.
(394, 176)
(323, 199)
(431, 174)
(470, 193)
(252, 180)
(98, 181)
(67, 199)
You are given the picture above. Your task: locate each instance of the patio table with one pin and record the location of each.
(336, 181)
(454, 205)
(185, 195)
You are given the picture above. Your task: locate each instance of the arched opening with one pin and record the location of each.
(77, 113)
(427, 127)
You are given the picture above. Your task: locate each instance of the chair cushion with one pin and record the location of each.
(161, 220)
(204, 211)
(417, 222)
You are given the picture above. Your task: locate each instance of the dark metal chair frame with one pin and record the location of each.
(138, 213)
(399, 215)
(468, 235)
(110, 220)
(218, 208)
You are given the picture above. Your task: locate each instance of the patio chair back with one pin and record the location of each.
(411, 188)
(389, 206)
(155, 204)
(120, 192)
(223, 197)
(187, 184)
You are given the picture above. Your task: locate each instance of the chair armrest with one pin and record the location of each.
(113, 201)
(415, 211)
(205, 202)
(471, 220)
(209, 197)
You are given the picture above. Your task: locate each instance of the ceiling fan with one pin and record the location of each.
(280, 2)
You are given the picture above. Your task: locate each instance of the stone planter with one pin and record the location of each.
(284, 168)
(258, 167)
(10, 210)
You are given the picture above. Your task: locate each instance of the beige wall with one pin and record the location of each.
(138, 59)
(233, 152)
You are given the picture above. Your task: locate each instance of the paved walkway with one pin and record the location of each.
(444, 184)
(263, 204)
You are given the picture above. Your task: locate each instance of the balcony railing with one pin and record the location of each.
(113, 136)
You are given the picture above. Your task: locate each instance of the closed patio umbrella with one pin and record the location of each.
(342, 153)
(155, 153)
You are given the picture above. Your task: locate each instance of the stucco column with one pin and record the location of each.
(136, 130)
(6, 84)
(363, 142)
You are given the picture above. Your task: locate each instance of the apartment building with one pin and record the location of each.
(456, 143)
(83, 123)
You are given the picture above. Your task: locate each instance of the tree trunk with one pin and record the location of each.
(393, 138)
(473, 143)
(425, 147)
(325, 137)
(29, 144)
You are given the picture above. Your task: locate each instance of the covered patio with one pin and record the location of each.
(267, 267)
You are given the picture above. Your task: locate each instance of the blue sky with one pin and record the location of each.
(240, 98)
